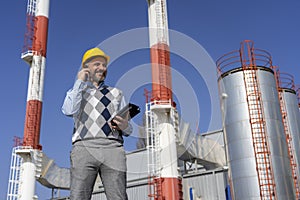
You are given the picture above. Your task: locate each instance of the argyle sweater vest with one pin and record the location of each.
(97, 108)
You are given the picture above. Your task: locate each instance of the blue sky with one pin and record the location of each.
(202, 31)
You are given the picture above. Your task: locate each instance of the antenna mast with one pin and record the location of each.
(33, 53)
(161, 115)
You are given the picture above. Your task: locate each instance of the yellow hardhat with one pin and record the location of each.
(94, 52)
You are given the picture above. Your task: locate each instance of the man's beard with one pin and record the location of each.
(98, 79)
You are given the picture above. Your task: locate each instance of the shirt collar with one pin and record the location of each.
(90, 84)
(101, 84)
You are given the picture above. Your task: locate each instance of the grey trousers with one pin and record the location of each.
(87, 162)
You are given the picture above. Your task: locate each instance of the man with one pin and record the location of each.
(97, 143)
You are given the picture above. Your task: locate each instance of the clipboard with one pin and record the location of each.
(130, 109)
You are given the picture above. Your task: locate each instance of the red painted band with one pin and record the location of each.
(40, 35)
(32, 124)
(161, 72)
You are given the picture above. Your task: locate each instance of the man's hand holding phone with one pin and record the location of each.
(84, 74)
(119, 123)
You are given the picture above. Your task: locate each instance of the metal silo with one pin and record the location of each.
(291, 120)
(254, 133)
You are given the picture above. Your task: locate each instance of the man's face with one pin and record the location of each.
(97, 67)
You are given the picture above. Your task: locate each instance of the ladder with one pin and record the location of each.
(28, 39)
(287, 132)
(14, 175)
(257, 124)
(153, 153)
(289, 144)
(160, 15)
(162, 51)
(164, 73)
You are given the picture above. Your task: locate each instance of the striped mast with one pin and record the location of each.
(164, 182)
(34, 53)
(160, 50)
(35, 56)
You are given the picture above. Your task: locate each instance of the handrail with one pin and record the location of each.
(234, 60)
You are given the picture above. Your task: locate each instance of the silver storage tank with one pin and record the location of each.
(290, 100)
(238, 134)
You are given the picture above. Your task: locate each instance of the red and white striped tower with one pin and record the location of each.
(34, 53)
(164, 178)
